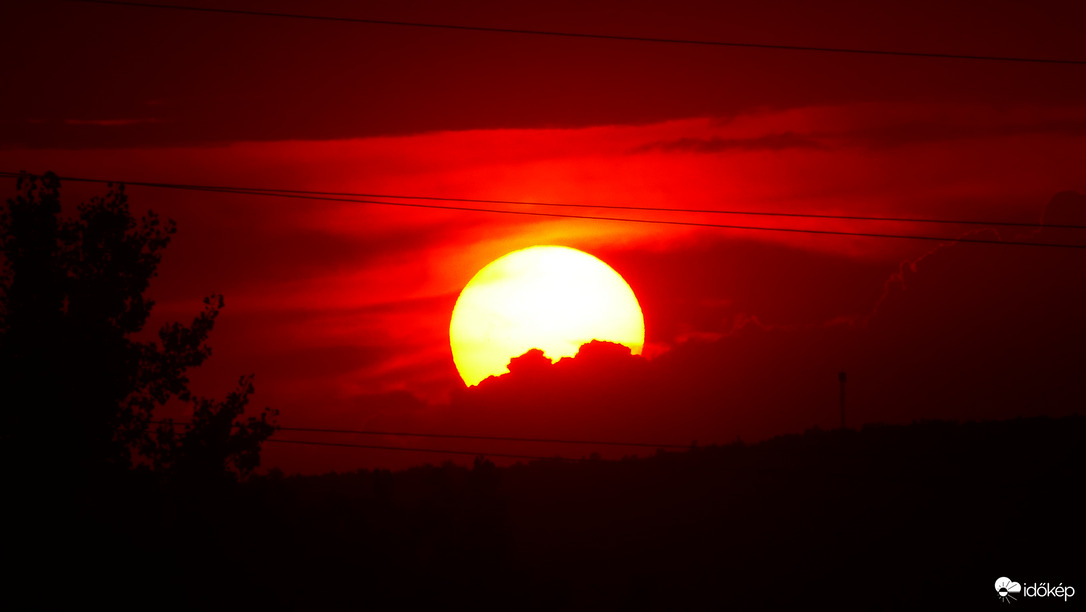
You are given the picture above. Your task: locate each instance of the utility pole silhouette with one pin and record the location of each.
(841, 377)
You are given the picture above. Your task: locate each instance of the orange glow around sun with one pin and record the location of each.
(552, 298)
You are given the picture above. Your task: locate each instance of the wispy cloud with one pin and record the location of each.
(865, 126)
(768, 142)
(111, 122)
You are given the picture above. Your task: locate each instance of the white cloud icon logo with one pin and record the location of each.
(1005, 586)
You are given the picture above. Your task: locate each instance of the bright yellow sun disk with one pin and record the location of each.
(547, 297)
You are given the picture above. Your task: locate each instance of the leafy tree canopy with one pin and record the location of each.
(78, 391)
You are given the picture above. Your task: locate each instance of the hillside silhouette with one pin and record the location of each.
(890, 517)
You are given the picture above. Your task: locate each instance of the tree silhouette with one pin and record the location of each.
(78, 390)
(214, 446)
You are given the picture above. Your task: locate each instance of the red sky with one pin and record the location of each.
(342, 310)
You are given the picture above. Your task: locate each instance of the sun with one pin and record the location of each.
(553, 298)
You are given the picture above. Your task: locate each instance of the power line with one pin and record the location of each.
(762, 213)
(443, 451)
(463, 436)
(271, 193)
(611, 37)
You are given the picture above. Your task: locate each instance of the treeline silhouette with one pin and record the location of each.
(88, 483)
(889, 517)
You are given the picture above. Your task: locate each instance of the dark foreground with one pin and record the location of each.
(925, 516)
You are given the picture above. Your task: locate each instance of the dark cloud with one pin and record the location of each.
(1065, 208)
(899, 134)
(885, 132)
(705, 286)
(770, 142)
